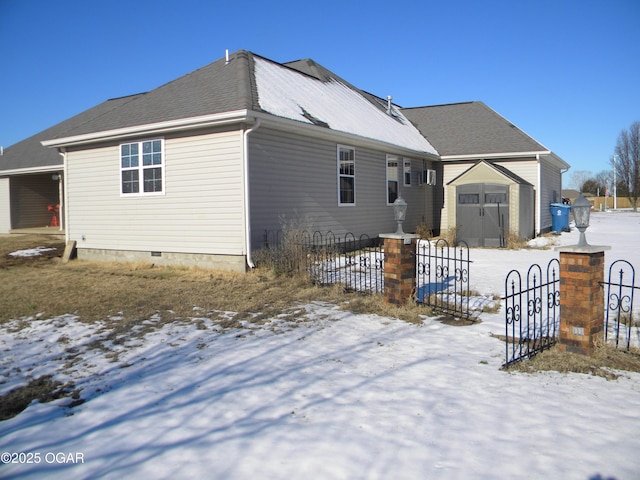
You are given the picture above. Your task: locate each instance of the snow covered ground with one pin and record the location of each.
(341, 396)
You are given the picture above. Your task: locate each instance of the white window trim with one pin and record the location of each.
(340, 148)
(141, 168)
(398, 160)
(406, 170)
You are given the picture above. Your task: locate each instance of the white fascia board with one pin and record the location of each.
(559, 162)
(26, 171)
(483, 156)
(547, 154)
(309, 129)
(151, 128)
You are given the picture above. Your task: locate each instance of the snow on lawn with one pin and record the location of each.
(340, 396)
(31, 252)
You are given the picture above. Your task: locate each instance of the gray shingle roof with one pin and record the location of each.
(455, 129)
(30, 153)
(220, 87)
(215, 88)
(470, 128)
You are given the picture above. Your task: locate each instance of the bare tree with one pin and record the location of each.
(579, 177)
(604, 179)
(627, 162)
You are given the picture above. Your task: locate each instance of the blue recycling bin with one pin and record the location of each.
(560, 217)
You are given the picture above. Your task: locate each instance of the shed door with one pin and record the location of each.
(482, 213)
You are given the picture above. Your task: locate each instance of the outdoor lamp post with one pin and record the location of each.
(581, 209)
(399, 213)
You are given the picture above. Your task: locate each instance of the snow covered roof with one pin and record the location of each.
(290, 94)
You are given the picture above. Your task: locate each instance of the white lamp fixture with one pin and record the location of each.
(399, 213)
(581, 209)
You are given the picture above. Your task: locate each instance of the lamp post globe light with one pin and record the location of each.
(399, 213)
(581, 209)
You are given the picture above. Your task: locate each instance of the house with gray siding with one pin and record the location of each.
(195, 171)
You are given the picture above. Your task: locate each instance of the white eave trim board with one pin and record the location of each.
(151, 128)
(25, 171)
(548, 154)
(480, 156)
(230, 118)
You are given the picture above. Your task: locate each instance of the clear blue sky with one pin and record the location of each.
(564, 71)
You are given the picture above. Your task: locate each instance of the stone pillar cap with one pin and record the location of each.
(583, 249)
(396, 236)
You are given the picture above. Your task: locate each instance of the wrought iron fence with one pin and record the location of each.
(532, 311)
(620, 328)
(442, 277)
(356, 262)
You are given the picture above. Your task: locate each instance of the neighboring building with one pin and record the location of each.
(196, 170)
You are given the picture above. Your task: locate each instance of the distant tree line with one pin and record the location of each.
(624, 176)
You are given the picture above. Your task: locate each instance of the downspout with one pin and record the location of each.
(247, 209)
(61, 202)
(539, 202)
(62, 189)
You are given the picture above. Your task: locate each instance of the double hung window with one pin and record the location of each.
(346, 175)
(406, 172)
(392, 178)
(142, 168)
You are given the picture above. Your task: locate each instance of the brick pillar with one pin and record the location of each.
(581, 298)
(399, 267)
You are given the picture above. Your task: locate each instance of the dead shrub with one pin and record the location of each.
(289, 254)
(514, 241)
(424, 231)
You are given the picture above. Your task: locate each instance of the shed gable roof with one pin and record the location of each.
(491, 168)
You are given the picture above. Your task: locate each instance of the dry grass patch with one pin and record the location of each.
(132, 293)
(43, 389)
(374, 304)
(98, 291)
(606, 362)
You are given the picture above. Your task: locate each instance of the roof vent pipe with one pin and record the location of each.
(226, 57)
(389, 97)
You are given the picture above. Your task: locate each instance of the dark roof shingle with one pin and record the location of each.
(215, 88)
(470, 128)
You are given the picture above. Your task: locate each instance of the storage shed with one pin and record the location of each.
(491, 203)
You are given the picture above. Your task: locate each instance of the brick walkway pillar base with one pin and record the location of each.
(581, 298)
(399, 267)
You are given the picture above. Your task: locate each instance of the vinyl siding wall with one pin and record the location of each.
(5, 210)
(550, 192)
(201, 211)
(294, 179)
